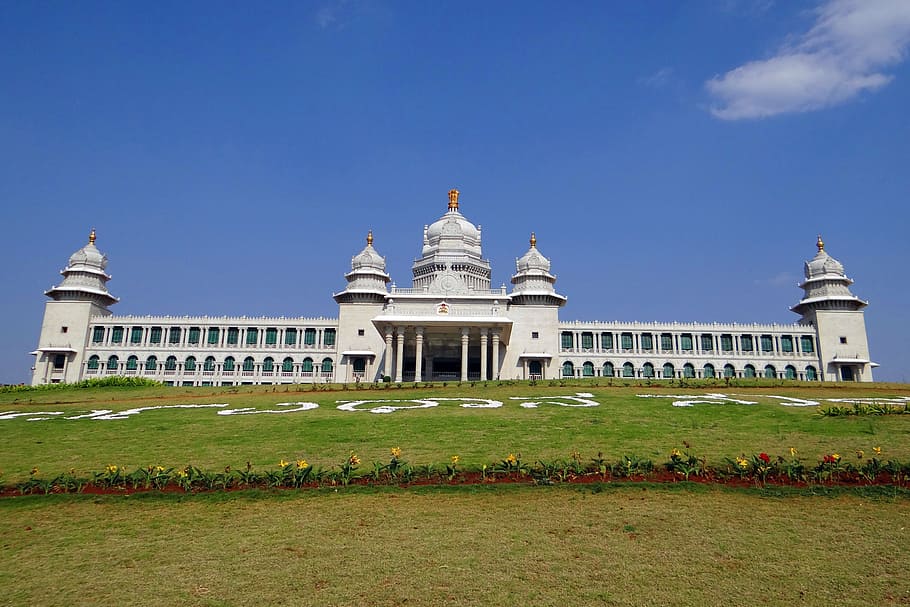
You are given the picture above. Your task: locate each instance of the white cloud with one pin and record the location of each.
(782, 279)
(658, 79)
(841, 56)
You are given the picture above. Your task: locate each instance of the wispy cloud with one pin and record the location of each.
(783, 279)
(841, 56)
(329, 14)
(658, 79)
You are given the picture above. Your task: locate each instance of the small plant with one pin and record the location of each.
(685, 464)
(348, 466)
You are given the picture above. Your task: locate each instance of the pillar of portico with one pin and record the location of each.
(483, 354)
(387, 371)
(495, 370)
(399, 355)
(465, 338)
(418, 361)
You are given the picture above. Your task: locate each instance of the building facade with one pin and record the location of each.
(450, 325)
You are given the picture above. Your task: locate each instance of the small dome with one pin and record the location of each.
(368, 257)
(89, 255)
(533, 260)
(823, 264)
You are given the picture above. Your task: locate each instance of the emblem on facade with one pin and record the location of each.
(442, 308)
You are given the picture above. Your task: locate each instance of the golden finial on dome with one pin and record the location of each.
(91, 237)
(820, 243)
(533, 240)
(453, 199)
(370, 238)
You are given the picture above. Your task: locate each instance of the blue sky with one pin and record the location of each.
(676, 159)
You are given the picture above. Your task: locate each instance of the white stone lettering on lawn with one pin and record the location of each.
(688, 400)
(790, 401)
(301, 406)
(873, 400)
(15, 414)
(128, 412)
(581, 399)
(419, 403)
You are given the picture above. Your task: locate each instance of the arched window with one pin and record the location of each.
(587, 369)
(268, 365)
(568, 369)
(189, 364)
(209, 364)
(811, 373)
(628, 370)
(248, 363)
(151, 363)
(748, 371)
(307, 365)
(608, 370)
(770, 372)
(132, 363)
(171, 363)
(287, 365)
(112, 363)
(729, 370)
(669, 371)
(360, 365)
(93, 362)
(688, 370)
(228, 364)
(708, 371)
(327, 365)
(647, 370)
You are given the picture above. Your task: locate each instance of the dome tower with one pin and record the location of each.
(451, 260)
(367, 279)
(533, 283)
(84, 278)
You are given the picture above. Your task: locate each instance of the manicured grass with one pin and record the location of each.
(489, 545)
(622, 423)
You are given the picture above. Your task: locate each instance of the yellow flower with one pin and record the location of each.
(675, 453)
(877, 450)
(396, 452)
(159, 469)
(302, 463)
(34, 471)
(742, 462)
(111, 469)
(511, 459)
(354, 460)
(182, 473)
(283, 464)
(792, 452)
(455, 459)
(836, 456)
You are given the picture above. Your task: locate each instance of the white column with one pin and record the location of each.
(418, 361)
(495, 370)
(388, 352)
(483, 354)
(465, 339)
(399, 355)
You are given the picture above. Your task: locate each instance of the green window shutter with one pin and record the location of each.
(327, 365)
(248, 363)
(767, 343)
(606, 341)
(228, 364)
(685, 341)
(628, 370)
(790, 372)
(726, 343)
(669, 371)
(271, 336)
(707, 343)
(112, 363)
(568, 369)
(290, 337)
(745, 343)
(729, 371)
(131, 363)
(174, 335)
(171, 363)
(233, 336)
(287, 365)
(587, 370)
(209, 364)
(708, 371)
(155, 335)
(647, 370)
(190, 364)
(193, 336)
(97, 335)
(807, 344)
(626, 340)
(608, 370)
(117, 335)
(666, 342)
(688, 370)
(213, 335)
(151, 363)
(93, 363)
(268, 364)
(770, 372)
(567, 340)
(587, 340)
(309, 337)
(748, 371)
(328, 337)
(811, 373)
(252, 336)
(136, 335)
(647, 341)
(307, 365)
(786, 343)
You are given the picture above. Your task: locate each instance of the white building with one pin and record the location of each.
(450, 325)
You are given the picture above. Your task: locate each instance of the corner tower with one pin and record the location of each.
(64, 331)
(837, 315)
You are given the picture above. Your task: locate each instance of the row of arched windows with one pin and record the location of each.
(688, 370)
(229, 364)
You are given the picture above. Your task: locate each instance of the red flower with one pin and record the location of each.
(764, 457)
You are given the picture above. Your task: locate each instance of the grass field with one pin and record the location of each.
(614, 544)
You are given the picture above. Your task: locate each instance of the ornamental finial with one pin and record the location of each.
(453, 199)
(533, 240)
(820, 243)
(370, 238)
(91, 237)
